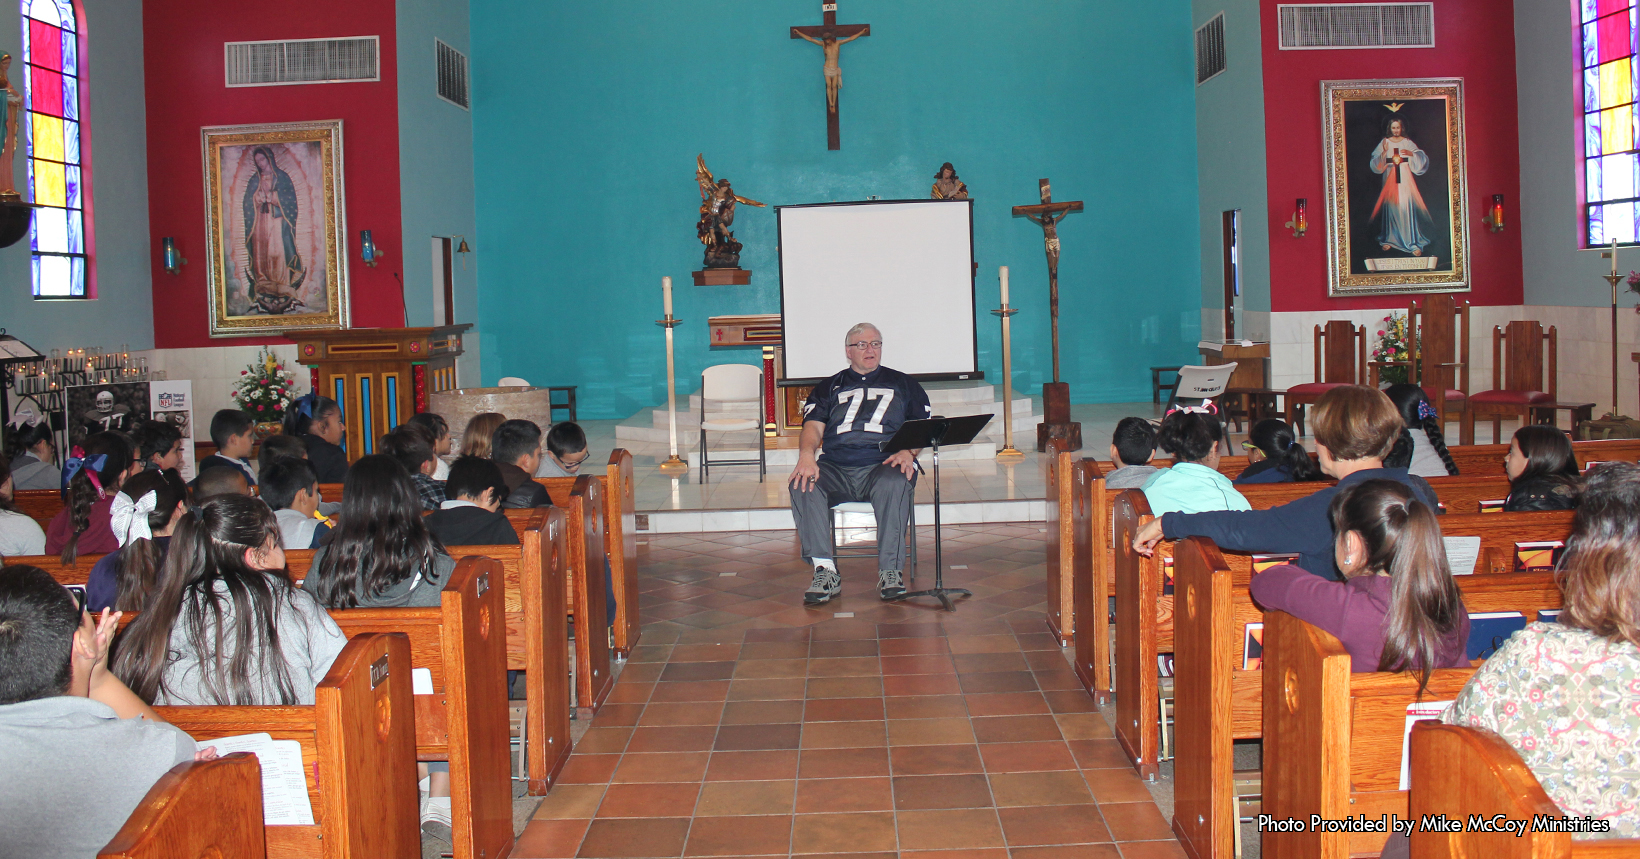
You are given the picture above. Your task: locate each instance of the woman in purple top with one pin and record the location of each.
(1398, 608)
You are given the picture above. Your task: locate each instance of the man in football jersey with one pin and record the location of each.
(840, 458)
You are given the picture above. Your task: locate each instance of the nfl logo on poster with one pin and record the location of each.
(173, 400)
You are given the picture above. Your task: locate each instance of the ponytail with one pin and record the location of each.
(89, 475)
(141, 556)
(310, 407)
(1280, 445)
(1402, 537)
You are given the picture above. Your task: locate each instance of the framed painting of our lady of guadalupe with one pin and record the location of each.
(275, 227)
(1397, 217)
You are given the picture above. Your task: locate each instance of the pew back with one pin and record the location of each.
(1056, 465)
(358, 753)
(198, 810)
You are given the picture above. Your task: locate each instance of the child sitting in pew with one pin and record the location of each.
(158, 444)
(33, 450)
(234, 434)
(475, 439)
(78, 750)
(226, 626)
(566, 451)
(1195, 438)
(91, 476)
(1275, 455)
(472, 515)
(1429, 456)
(411, 445)
(317, 421)
(1542, 470)
(1132, 447)
(144, 515)
(1566, 695)
(1398, 608)
(516, 448)
(220, 480)
(291, 488)
(1355, 426)
(381, 554)
(275, 447)
(19, 533)
(439, 429)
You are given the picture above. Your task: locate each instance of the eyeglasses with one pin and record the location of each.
(572, 465)
(866, 344)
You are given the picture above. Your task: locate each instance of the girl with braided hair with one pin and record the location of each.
(91, 476)
(1429, 456)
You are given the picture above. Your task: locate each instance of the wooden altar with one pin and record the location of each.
(381, 376)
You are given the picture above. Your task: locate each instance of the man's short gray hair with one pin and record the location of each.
(858, 327)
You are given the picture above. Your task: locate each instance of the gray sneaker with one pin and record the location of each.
(827, 584)
(890, 584)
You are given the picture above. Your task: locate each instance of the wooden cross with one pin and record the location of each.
(831, 36)
(1048, 215)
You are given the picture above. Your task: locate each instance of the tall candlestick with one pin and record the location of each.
(1008, 452)
(666, 295)
(673, 463)
(1002, 272)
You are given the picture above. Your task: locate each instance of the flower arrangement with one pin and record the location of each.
(1634, 286)
(265, 388)
(1393, 345)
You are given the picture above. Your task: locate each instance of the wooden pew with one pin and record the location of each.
(1090, 591)
(1332, 739)
(1458, 772)
(1056, 476)
(1216, 702)
(41, 505)
(358, 753)
(198, 810)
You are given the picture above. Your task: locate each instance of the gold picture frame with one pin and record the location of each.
(1397, 210)
(276, 254)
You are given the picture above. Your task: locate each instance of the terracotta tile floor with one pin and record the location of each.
(747, 725)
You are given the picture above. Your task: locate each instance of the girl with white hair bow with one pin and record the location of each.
(144, 512)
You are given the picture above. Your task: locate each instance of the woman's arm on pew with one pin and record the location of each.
(106, 688)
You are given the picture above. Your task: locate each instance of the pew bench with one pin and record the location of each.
(198, 810)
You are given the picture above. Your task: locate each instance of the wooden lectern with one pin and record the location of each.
(381, 376)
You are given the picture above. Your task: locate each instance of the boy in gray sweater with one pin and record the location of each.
(1131, 447)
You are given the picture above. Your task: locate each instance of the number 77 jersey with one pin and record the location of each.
(861, 412)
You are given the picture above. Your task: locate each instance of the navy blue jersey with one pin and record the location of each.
(861, 412)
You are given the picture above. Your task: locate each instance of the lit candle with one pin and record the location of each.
(1002, 272)
(666, 295)
(1614, 256)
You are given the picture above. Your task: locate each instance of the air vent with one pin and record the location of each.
(302, 61)
(1325, 26)
(452, 74)
(1210, 49)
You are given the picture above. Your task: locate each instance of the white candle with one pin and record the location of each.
(1002, 272)
(666, 295)
(1614, 256)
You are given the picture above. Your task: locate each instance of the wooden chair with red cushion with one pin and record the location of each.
(1343, 361)
(1523, 378)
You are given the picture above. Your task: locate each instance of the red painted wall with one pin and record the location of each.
(183, 57)
(1475, 40)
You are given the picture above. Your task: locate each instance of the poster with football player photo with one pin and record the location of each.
(93, 408)
(173, 402)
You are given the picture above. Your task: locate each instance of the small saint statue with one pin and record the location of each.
(8, 131)
(717, 215)
(947, 186)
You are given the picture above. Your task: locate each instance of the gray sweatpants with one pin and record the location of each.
(885, 486)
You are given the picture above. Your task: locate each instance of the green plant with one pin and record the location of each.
(265, 388)
(1393, 345)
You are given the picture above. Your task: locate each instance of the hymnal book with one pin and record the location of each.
(1462, 553)
(1218, 345)
(1417, 713)
(284, 784)
(1265, 562)
(1539, 557)
(1494, 506)
(421, 681)
(1252, 648)
(1167, 577)
(1591, 464)
(1548, 615)
(1488, 630)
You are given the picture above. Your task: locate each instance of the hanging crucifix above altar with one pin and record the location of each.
(1056, 398)
(831, 36)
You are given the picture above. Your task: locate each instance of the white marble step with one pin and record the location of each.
(786, 458)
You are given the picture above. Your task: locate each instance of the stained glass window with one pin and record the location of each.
(1611, 181)
(52, 129)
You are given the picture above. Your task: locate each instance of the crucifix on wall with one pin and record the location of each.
(1056, 395)
(831, 36)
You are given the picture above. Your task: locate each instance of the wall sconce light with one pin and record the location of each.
(462, 248)
(1494, 214)
(368, 250)
(1298, 224)
(169, 257)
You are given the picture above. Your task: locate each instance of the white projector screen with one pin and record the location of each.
(905, 266)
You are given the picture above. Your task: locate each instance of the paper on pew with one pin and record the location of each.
(421, 681)
(1462, 553)
(1417, 713)
(284, 784)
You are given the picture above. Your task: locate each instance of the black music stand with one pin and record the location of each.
(931, 433)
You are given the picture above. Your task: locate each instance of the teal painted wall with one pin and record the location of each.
(112, 99)
(587, 118)
(1231, 165)
(435, 157)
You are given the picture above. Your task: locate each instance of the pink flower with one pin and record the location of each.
(1380, 333)
(244, 372)
(259, 408)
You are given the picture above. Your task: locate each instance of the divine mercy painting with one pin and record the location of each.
(1396, 180)
(274, 206)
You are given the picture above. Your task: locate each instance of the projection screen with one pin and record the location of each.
(905, 266)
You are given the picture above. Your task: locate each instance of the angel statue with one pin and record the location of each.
(717, 215)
